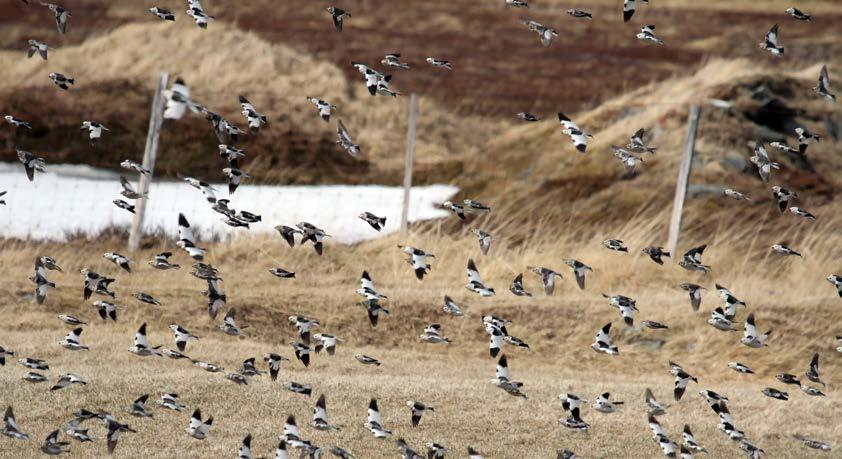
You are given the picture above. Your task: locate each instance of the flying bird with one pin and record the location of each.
(770, 43)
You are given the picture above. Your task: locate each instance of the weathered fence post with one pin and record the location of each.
(683, 178)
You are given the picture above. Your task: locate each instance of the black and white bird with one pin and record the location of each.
(682, 378)
(484, 240)
(313, 234)
(637, 143)
(798, 14)
(655, 253)
(784, 197)
(626, 306)
(735, 195)
(417, 410)
(750, 336)
(604, 404)
(457, 209)
(18, 123)
(695, 292)
(653, 406)
(720, 321)
(129, 191)
(42, 284)
(805, 137)
(602, 341)
(162, 261)
(647, 33)
(34, 377)
(138, 408)
(235, 178)
(320, 421)
(124, 205)
(418, 259)
(814, 444)
(304, 325)
(36, 46)
(120, 260)
(298, 388)
(166, 15)
(433, 334)
(580, 14)
(71, 340)
(547, 278)
(197, 428)
(374, 423)
(10, 426)
(34, 364)
(690, 441)
(615, 244)
(52, 446)
(229, 324)
(579, 270)
(345, 141)
(762, 161)
(394, 60)
(475, 283)
(775, 393)
(207, 189)
(450, 307)
(628, 160)
(68, 379)
(770, 43)
(836, 280)
(813, 372)
(230, 154)
(182, 335)
(195, 11)
(170, 401)
(823, 86)
(692, 260)
(62, 81)
(288, 233)
(144, 297)
(517, 3)
(740, 368)
(577, 136)
(504, 381)
(545, 34)
(94, 130)
(327, 342)
(367, 360)
(517, 286)
(440, 63)
(274, 361)
(254, 118)
(131, 165)
(325, 108)
(282, 273)
(62, 15)
(141, 344)
(784, 250)
(66, 318)
(529, 117)
(629, 7)
(801, 212)
(31, 163)
(187, 240)
(378, 223)
(339, 16)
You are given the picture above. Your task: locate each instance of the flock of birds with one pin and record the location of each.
(722, 318)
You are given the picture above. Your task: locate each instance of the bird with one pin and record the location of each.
(288, 233)
(33, 363)
(770, 43)
(517, 286)
(197, 428)
(36, 46)
(762, 161)
(654, 325)
(647, 33)
(325, 108)
(378, 223)
(602, 341)
(823, 86)
(94, 131)
(629, 8)
(636, 142)
(18, 123)
(484, 240)
(129, 191)
(124, 205)
(604, 404)
(440, 63)
(750, 336)
(393, 60)
(814, 444)
(170, 401)
(62, 81)
(457, 209)
(813, 372)
(504, 381)
(580, 14)
(798, 14)
(366, 360)
(345, 140)
(626, 306)
(182, 335)
(374, 422)
(235, 178)
(471, 205)
(120, 260)
(517, 3)
(68, 379)
(144, 297)
(131, 165)
(245, 448)
(655, 253)
(784, 250)
(162, 261)
(5, 353)
(695, 292)
(579, 270)
(654, 407)
(417, 409)
(298, 388)
(138, 408)
(433, 334)
(339, 16)
(740, 368)
(804, 139)
(450, 307)
(282, 273)
(546, 34)
(615, 244)
(52, 446)
(319, 421)
(207, 190)
(62, 15)
(274, 361)
(735, 195)
(692, 260)
(10, 426)
(836, 280)
(802, 213)
(547, 278)
(682, 378)
(166, 15)
(529, 117)
(198, 14)
(690, 441)
(71, 340)
(302, 353)
(254, 118)
(418, 260)
(784, 197)
(577, 136)
(31, 163)
(187, 240)
(775, 393)
(141, 344)
(42, 284)
(475, 283)
(304, 324)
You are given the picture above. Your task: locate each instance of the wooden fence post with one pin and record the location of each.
(156, 118)
(683, 178)
(410, 152)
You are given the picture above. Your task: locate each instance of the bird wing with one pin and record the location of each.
(473, 274)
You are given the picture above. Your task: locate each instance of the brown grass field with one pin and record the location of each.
(550, 203)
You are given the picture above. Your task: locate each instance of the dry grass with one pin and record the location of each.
(787, 295)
